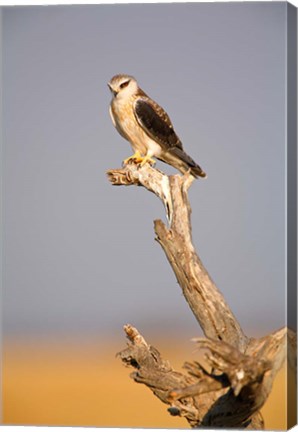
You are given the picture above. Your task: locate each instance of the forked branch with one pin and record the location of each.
(241, 370)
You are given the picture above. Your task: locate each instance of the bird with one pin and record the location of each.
(147, 127)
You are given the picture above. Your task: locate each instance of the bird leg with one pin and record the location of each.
(139, 159)
(136, 157)
(148, 159)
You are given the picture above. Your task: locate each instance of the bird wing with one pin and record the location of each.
(156, 123)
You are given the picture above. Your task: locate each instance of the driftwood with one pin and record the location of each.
(230, 390)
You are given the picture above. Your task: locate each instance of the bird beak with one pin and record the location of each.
(112, 90)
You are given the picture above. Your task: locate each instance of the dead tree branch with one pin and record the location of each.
(242, 370)
(202, 295)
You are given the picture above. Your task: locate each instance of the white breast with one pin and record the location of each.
(124, 120)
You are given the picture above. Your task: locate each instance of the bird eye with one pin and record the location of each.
(124, 84)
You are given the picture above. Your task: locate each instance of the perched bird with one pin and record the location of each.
(147, 127)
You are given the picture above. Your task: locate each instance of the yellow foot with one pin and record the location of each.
(147, 159)
(134, 158)
(139, 159)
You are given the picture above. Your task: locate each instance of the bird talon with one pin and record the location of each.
(133, 159)
(148, 159)
(138, 159)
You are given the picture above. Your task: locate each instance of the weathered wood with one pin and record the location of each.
(229, 394)
(204, 298)
(241, 370)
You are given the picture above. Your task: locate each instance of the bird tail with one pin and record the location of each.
(186, 163)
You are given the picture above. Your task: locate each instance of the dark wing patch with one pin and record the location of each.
(156, 123)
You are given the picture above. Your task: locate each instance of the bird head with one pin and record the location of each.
(123, 85)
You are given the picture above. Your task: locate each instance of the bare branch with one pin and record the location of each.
(204, 298)
(150, 178)
(230, 395)
(242, 370)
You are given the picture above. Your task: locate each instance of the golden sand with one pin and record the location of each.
(85, 385)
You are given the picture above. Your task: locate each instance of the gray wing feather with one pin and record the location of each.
(156, 123)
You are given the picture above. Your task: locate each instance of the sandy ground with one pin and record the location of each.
(86, 385)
